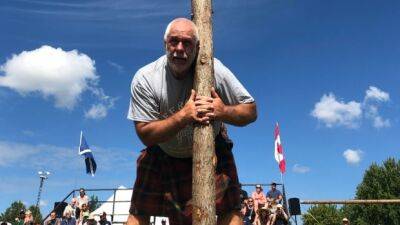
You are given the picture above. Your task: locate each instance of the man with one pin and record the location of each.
(274, 196)
(53, 219)
(259, 197)
(68, 219)
(71, 208)
(164, 108)
(345, 221)
(103, 219)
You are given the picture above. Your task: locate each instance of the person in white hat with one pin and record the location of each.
(345, 221)
(259, 197)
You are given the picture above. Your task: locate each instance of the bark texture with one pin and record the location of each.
(204, 159)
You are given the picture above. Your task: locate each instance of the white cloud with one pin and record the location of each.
(56, 74)
(337, 113)
(43, 203)
(52, 72)
(43, 156)
(374, 93)
(100, 110)
(118, 67)
(300, 169)
(374, 97)
(379, 122)
(97, 111)
(353, 156)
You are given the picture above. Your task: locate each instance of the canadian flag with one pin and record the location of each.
(279, 150)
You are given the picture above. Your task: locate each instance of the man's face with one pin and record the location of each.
(258, 189)
(181, 47)
(273, 187)
(82, 193)
(53, 215)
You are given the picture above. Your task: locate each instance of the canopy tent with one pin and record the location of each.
(117, 208)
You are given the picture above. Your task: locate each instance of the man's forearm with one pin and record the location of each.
(160, 131)
(240, 115)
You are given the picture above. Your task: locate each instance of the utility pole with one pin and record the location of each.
(204, 159)
(43, 175)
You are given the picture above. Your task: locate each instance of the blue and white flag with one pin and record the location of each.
(89, 159)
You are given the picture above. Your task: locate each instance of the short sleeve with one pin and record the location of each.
(143, 105)
(231, 91)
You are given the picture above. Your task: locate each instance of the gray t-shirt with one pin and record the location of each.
(156, 94)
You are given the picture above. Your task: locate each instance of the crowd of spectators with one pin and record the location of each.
(77, 213)
(264, 209)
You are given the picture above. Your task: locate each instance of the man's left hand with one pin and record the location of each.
(213, 108)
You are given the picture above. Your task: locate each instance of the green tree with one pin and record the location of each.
(12, 212)
(93, 203)
(37, 216)
(322, 215)
(379, 182)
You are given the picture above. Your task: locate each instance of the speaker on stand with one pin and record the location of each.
(294, 207)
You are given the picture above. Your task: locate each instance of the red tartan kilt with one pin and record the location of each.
(163, 184)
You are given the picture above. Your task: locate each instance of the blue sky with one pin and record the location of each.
(328, 72)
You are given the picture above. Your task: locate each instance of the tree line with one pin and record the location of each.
(379, 182)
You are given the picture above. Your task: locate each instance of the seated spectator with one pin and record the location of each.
(103, 219)
(53, 220)
(249, 212)
(28, 220)
(68, 219)
(279, 217)
(71, 208)
(274, 196)
(90, 220)
(259, 197)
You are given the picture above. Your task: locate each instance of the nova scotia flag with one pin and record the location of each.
(87, 153)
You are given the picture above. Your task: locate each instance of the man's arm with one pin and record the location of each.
(238, 115)
(159, 131)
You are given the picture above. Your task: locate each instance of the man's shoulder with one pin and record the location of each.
(150, 69)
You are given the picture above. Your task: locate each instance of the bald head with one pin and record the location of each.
(181, 25)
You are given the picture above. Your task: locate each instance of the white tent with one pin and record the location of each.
(120, 209)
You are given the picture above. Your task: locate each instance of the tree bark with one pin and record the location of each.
(204, 159)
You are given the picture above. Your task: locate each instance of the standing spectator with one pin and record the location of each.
(68, 219)
(259, 197)
(345, 221)
(83, 198)
(249, 212)
(103, 219)
(53, 219)
(274, 196)
(71, 208)
(280, 217)
(28, 220)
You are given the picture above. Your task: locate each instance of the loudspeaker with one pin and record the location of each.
(59, 208)
(294, 206)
